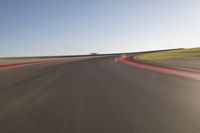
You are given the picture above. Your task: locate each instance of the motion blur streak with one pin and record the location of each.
(96, 95)
(167, 70)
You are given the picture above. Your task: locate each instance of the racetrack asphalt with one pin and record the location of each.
(96, 95)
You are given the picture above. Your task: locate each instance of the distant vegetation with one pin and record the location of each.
(94, 54)
(170, 54)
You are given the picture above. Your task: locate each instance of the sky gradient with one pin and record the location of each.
(68, 27)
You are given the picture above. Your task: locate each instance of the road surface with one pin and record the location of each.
(191, 63)
(96, 96)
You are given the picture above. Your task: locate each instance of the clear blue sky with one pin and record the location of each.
(57, 27)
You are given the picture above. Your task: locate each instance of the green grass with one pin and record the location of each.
(170, 54)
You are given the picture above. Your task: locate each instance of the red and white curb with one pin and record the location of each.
(161, 69)
(26, 63)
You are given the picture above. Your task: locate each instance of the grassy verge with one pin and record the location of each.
(170, 54)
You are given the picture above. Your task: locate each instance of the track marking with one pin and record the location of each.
(26, 63)
(161, 69)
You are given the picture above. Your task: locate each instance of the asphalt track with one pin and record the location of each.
(96, 96)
